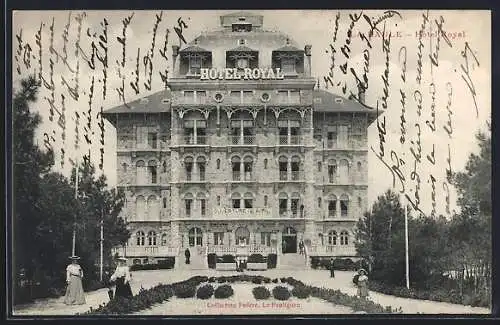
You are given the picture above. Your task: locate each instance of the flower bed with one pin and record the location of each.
(158, 294)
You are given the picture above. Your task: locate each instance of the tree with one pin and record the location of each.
(29, 163)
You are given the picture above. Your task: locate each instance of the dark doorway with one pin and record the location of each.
(289, 241)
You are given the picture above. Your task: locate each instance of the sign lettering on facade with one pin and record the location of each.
(238, 74)
(233, 213)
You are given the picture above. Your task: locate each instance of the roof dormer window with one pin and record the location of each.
(242, 27)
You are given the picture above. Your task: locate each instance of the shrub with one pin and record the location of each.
(275, 281)
(266, 280)
(344, 264)
(272, 259)
(212, 260)
(256, 258)
(184, 291)
(222, 279)
(204, 292)
(228, 259)
(281, 293)
(163, 264)
(211, 279)
(301, 291)
(355, 279)
(257, 280)
(261, 293)
(223, 291)
(314, 262)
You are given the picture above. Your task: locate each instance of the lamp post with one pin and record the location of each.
(73, 249)
(102, 246)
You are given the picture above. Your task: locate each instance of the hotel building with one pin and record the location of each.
(242, 148)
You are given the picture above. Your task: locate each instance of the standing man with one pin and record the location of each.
(187, 254)
(332, 268)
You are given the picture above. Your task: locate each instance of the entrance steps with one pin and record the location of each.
(292, 261)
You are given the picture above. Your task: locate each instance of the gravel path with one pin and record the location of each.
(319, 278)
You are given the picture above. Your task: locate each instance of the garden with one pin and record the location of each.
(239, 294)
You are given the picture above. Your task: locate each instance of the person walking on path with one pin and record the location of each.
(301, 247)
(122, 278)
(332, 268)
(363, 284)
(187, 254)
(74, 290)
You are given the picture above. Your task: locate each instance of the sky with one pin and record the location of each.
(459, 83)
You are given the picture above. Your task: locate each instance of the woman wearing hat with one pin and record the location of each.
(74, 291)
(363, 283)
(121, 277)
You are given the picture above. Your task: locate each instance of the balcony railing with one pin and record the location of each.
(283, 175)
(249, 249)
(132, 146)
(295, 175)
(290, 214)
(144, 251)
(285, 140)
(243, 140)
(333, 250)
(192, 140)
(242, 177)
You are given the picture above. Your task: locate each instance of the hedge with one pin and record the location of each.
(164, 264)
(205, 292)
(256, 258)
(272, 260)
(212, 260)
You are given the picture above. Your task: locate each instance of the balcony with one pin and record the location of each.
(131, 146)
(243, 177)
(199, 100)
(145, 251)
(289, 140)
(295, 175)
(190, 140)
(332, 250)
(290, 214)
(241, 214)
(243, 140)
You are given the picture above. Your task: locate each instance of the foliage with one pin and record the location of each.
(186, 290)
(275, 281)
(168, 263)
(223, 291)
(228, 259)
(212, 260)
(211, 279)
(261, 293)
(272, 260)
(256, 258)
(281, 293)
(205, 291)
(301, 291)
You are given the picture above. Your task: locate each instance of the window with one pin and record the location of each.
(218, 200)
(241, 28)
(332, 171)
(319, 166)
(282, 96)
(359, 166)
(331, 141)
(332, 238)
(164, 166)
(359, 201)
(344, 238)
(294, 96)
(265, 238)
(236, 166)
(218, 238)
(201, 168)
(265, 163)
(203, 207)
(195, 131)
(242, 132)
(195, 64)
(151, 238)
(141, 172)
(319, 202)
(188, 165)
(283, 205)
(141, 238)
(247, 167)
(295, 166)
(294, 206)
(140, 206)
(343, 135)
(164, 240)
(164, 202)
(188, 203)
(236, 203)
(152, 172)
(218, 164)
(344, 205)
(152, 140)
(344, 171)
(247, 96)
(332, 206)
(248, 203)
(124, 167)
(283, 168)
(289, 131)
(153, 208)
(265, 201)
(195, 237)
(288, 65)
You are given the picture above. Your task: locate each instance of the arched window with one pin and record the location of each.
(236, 168)
(201, 162)
(248, 200)
(319, 166)
(141, 172)
(195, 236)
(153, 208)
(344, 238)
(202, 203)
(332, 238)
(164, 166)
(164, 240)
(265, 201)
(218, 200)
(294, 203)
(218, 163)
(319, 202)
(265, 163)
(359, 166)
(283, 168)
(152, 172)
(360, 202)
(332, 171)
(236, 200)
(344, 205)
(124, 166)
(140, 238)
(344, 171)
(295, 166)
(188, 167)
(152, 238)
(188, 204)
(140, 208)
(332, 206)
(283, 203)
(248, 168)
(164, 202)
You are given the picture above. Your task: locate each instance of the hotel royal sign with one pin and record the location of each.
(235, 213)
(238, 74)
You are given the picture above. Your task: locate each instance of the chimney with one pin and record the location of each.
(175, 54)
(307, 68)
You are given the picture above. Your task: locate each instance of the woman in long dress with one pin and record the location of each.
(122, 277)
(362, 284)
(74, 291)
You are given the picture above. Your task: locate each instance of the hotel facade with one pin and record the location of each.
(242, 149)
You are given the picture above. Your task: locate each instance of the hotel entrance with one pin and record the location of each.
(289, 241)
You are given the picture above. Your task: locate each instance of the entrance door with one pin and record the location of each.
(289, 241)
(195, 236)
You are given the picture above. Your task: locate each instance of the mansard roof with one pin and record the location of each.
(325, 101)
